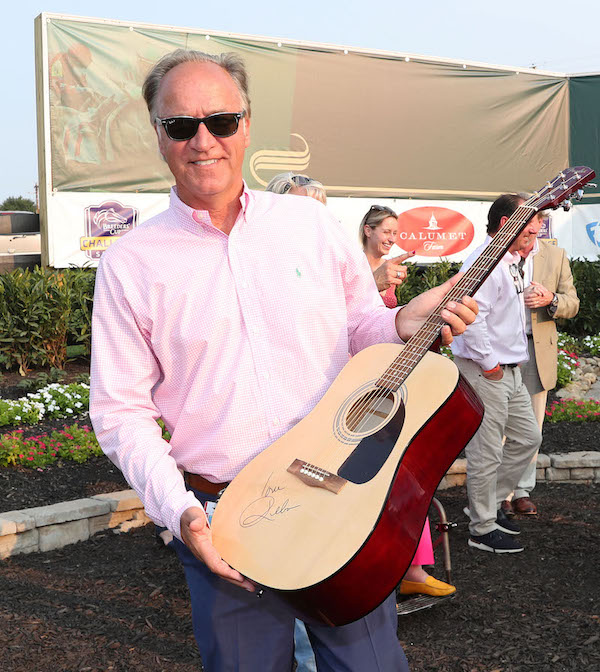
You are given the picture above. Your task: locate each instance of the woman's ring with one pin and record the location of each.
(398, 274)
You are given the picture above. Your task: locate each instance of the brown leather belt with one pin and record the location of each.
(199, 483)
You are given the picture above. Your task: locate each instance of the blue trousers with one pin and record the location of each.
(238, 632)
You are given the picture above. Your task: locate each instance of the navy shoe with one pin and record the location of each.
(505, 524)
(495, 542)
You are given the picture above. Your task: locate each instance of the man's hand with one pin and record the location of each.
(537, 296)
(496, 374)
(197, 536)
(391, 272)
(457, 315)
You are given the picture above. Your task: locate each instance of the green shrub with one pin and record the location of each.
(421, 278)
(41, 312)
(586, 276)
(81, 290)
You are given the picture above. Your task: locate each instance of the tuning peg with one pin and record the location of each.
(566, 206)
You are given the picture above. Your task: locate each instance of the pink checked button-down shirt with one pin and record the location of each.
(231, 339)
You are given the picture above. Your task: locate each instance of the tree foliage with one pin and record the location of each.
(18, 203)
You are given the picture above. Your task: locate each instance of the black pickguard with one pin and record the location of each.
(370, 454)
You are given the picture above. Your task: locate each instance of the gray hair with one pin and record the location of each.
(282, 183)
(230, 62)
(375, 215)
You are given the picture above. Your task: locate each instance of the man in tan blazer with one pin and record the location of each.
(549, 294)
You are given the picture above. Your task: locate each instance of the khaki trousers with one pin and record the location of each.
(539, 397)
(493, 468)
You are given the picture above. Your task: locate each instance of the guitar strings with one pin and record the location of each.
(417, 346)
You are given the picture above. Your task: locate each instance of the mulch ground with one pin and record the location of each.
(119, 601)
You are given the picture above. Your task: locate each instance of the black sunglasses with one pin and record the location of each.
(381, 208)
(221, 125)
(298, 180)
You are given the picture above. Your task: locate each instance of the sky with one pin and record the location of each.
(550, 35)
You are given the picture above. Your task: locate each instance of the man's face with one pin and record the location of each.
(207, 170)
(527, 236)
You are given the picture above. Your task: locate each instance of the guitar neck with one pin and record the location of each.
(425, 337)
(567, 182)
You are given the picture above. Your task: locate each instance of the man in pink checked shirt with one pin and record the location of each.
(228, 316)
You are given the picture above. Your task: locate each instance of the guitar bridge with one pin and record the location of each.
(315, 477)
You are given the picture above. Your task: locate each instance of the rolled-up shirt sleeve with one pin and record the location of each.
(124, 371)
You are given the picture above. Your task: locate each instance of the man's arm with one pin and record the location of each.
(124, 371)
(560, 300)
(568, 301)
(475, 342)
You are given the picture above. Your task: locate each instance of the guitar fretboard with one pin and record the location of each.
(421, 342)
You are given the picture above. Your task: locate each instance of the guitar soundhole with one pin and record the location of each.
(377, 419)
(370, 412)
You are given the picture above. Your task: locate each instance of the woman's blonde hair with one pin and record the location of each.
(375, 215)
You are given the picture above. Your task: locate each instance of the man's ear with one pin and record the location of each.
(246, 130)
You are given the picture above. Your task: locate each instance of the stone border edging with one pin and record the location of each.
(46, 528)
(581, 467)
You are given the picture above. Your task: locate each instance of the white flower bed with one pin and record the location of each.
(53, 401)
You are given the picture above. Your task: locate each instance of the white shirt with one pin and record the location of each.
(498, 334)
(528, 277)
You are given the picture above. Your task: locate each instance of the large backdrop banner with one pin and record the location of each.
(367, 124)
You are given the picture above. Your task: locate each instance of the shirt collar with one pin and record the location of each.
(509, 257)
(197, 220)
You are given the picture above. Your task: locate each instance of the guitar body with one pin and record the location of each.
(330, 515)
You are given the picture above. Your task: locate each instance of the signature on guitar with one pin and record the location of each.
(267, 507)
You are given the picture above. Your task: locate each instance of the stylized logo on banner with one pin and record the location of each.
(593, 232)
(434, 232)
(545, 231)
(279, 161)
(104, 224)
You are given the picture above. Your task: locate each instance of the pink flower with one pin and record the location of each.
(30, 459)
(21, 456)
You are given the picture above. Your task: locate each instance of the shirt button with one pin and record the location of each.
(275, 421)
(244, 285)
(266, 375)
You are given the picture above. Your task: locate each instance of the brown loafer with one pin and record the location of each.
(507, 507)
(524, 506)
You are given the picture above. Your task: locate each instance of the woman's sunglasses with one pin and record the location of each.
(298, 180)
(221, 125)
(381, 208)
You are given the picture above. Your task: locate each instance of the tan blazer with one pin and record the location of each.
(551, 269)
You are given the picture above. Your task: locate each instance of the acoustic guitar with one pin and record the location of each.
(330, 515)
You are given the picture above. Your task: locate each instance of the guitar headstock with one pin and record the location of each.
(568, 182)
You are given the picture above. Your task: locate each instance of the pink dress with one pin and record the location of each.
(424, 552)
(389, 297)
